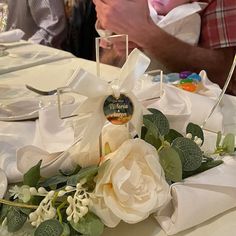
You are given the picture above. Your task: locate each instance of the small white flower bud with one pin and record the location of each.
(61, 193)
(195, 138)
(33, 191)
(70, 199)
(69, 188)
(83, 210)
(68, 211)
(69, 218)
(78, 186)
(198, 141)
(85, 202)
(42, 190)
(33, 216)
(189, 135)
(80, 196)
(34, 223)
(51, 194)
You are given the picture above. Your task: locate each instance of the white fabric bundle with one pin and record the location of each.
(199, 198)
(182, 107)
(11, 36)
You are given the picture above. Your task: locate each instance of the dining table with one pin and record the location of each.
(48, 68)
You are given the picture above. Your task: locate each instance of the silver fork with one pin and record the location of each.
(41, 92)
(53, 91)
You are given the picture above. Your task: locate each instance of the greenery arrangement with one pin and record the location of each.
(60, 205)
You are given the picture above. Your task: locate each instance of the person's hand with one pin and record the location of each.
(120, 46)
(116, 51)
(129, 17)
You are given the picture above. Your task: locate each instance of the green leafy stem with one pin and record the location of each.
(181, 156)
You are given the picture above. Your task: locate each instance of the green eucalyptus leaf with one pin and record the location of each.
(190, 153)
(218, 139)
(4, 211)
(66, 230)
(87, 173)
(72, 172)
(89, 225)
(49, 228)
(143, 132)
(25, 211)
(151, 128)
(32, 176)
(195, 130)
(155, 142)
(172, 135)
(171, 163)
(204, 166)
(54, 180)
(15, 219)
(159, 120)
(229, 143)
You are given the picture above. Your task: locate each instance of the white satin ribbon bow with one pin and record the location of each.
(97, 90)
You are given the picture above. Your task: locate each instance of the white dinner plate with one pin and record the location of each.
(18, 103)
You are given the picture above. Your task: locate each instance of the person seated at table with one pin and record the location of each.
(185, 27)
(81, 34)
(214, 52)
(43, 21)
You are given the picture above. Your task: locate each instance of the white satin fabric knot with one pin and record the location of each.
(97, 90)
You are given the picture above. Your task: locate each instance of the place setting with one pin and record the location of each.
(99, 151)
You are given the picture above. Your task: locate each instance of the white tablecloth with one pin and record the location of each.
(24, 55)
(56, 74)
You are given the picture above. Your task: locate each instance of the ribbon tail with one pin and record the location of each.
(93, 130)
(89, 85)
(134, 67)
(137, 118)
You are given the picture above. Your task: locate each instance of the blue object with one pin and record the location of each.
(195, 76)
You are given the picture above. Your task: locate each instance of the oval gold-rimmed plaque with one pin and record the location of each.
(118, 111)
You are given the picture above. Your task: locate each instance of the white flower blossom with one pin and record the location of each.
(78, 204)
(45, 210)
(189, 135)
(23, 193)
(198, 141)
(131, 186)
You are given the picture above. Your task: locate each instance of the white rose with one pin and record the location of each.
(131, 185)
(114, 135)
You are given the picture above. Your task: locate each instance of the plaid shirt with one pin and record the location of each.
(219, 24)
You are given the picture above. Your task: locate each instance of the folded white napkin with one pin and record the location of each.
(53, 134)
(11, 36)
(14, 135)
(54, 144)
(182, 107)
(23, 144)
(183, 22)
(200, 198)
